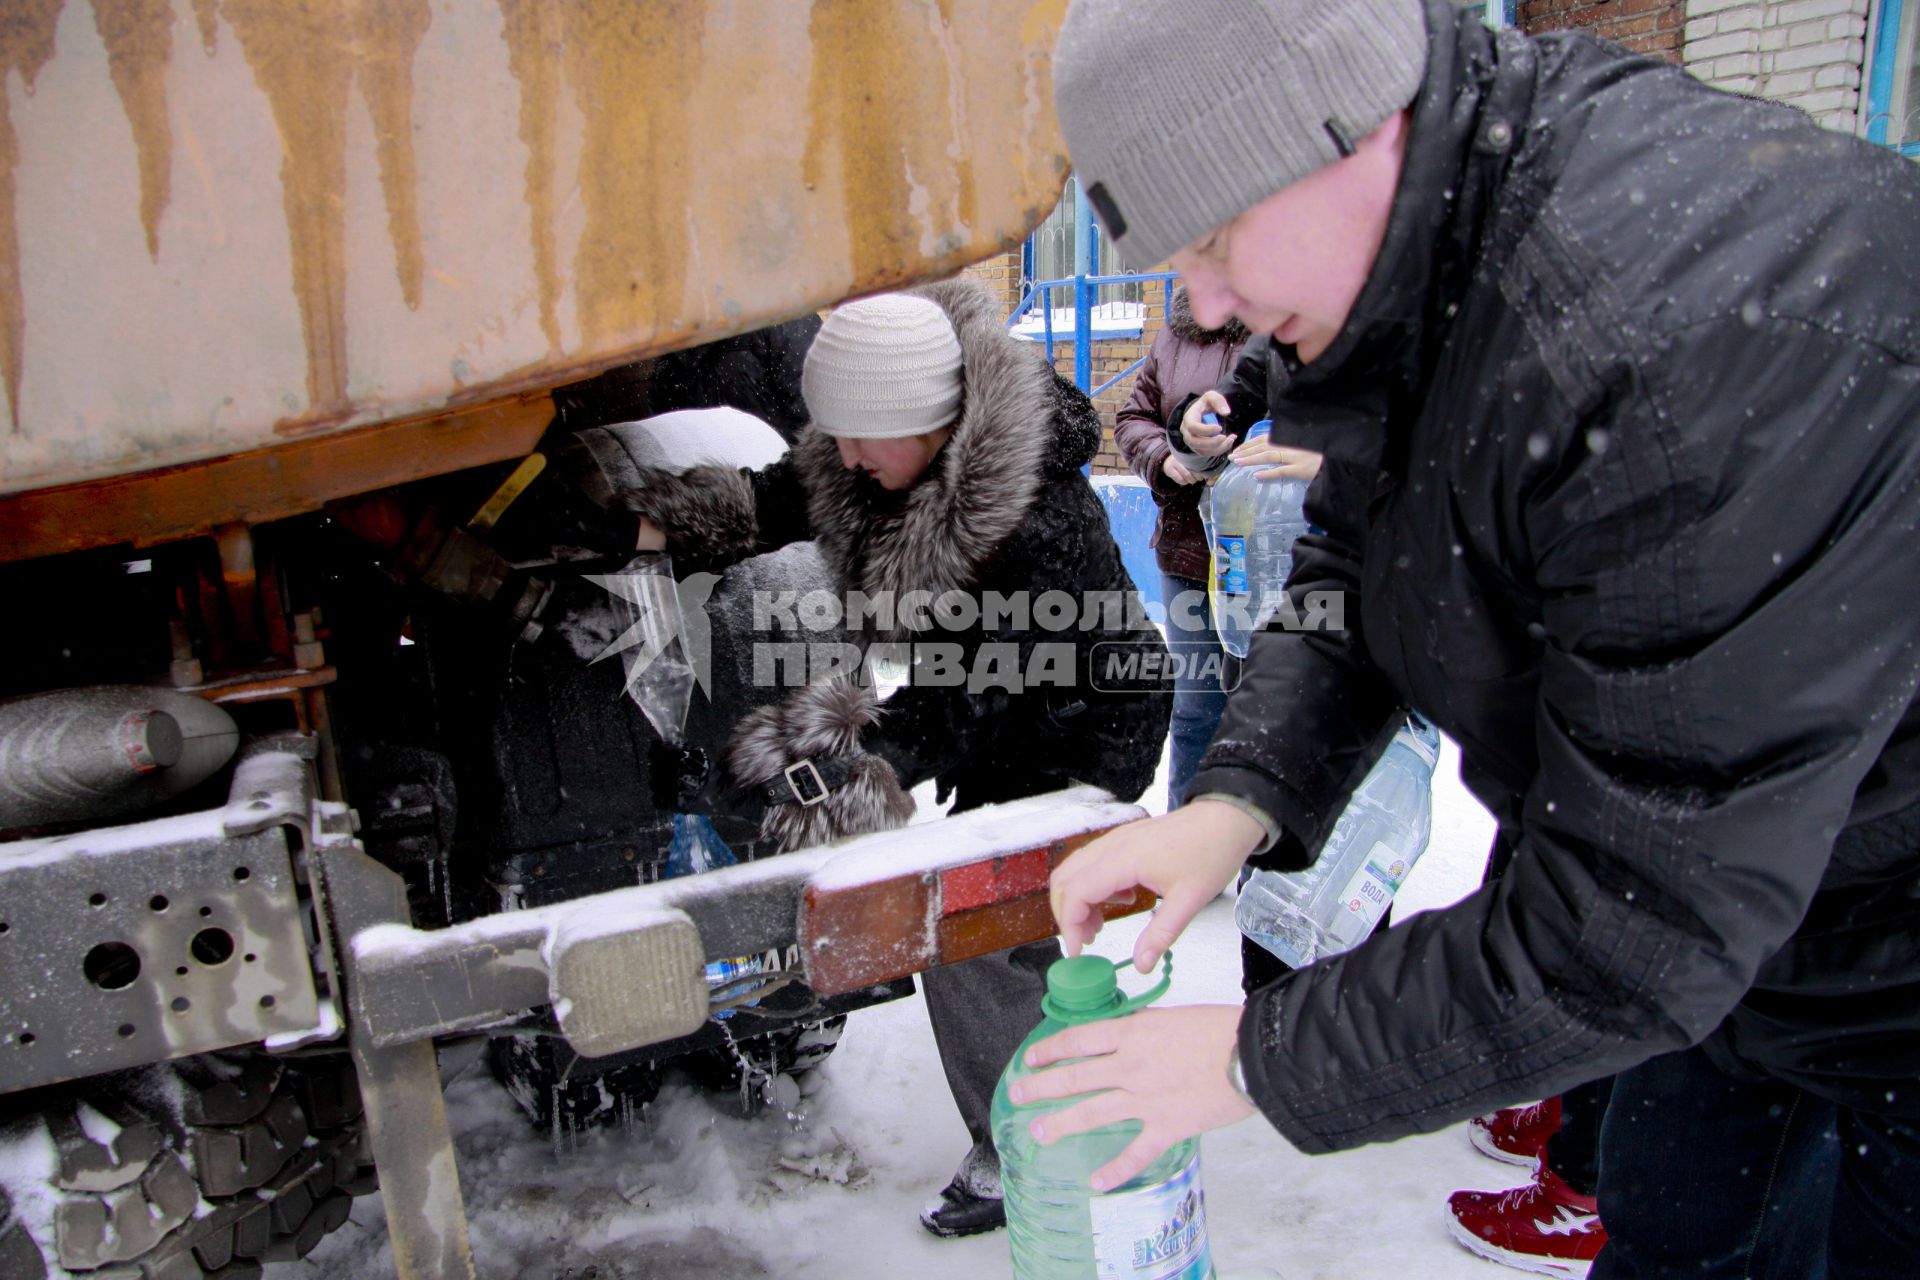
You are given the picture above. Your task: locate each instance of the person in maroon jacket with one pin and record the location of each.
(1186, 359)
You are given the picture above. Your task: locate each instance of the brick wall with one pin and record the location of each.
(1651, 27)
(1001, 273)
(1807, 53)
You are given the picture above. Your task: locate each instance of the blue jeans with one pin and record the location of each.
(1706, 1175)
(1197, 698)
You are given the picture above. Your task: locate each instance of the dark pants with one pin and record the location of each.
(981, 1010)
(1706, 1175)
(1573, 1151)
(1197, 698)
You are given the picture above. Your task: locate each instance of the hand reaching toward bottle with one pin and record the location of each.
(1166, 1068)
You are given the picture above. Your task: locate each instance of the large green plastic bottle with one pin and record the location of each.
(1151, 1228)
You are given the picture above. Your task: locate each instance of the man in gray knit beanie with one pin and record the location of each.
(1274, 92)
(1286, 150)
(1619, 399)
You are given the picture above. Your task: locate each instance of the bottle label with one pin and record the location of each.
(1231, 559)
(1153, 1233)
(1367, 894)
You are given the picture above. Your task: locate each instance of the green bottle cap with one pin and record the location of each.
(1086, 989)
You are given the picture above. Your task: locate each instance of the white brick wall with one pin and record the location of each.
(1809, 53)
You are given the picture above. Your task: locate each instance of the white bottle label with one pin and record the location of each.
(1153, 1233)
(1367, 894)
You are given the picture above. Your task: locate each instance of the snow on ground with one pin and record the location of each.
(836, 1192)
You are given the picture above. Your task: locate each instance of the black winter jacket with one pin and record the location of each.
(1003, 508)
(1623, 484)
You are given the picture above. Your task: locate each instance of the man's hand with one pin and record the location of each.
(1166, 1068)
(1177, 471)
(1281, 462)
(1208, 439)
(1187, 857)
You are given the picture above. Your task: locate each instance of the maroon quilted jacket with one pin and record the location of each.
(1184, 361)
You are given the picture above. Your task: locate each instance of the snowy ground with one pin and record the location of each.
(835, 1190)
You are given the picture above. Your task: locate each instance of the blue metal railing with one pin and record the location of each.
(1084, 287)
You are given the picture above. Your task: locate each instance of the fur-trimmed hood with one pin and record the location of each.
(1018, 426)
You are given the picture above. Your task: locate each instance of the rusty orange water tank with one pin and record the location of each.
(255, 253)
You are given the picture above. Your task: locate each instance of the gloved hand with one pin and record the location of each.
(804, 756)
(707, 512)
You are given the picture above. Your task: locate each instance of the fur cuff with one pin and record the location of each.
(820, 721)
(707, 512)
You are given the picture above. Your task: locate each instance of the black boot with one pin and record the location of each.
(970, 1203)
(960, 1211)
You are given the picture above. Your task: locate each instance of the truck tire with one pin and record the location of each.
(564, 1093)
(791, 1051)
(277, 1149)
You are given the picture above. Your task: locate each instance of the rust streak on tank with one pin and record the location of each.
(138, 35)
(869, 65)
(954, 43)
(206, 14)
(301, 60)
(389, 34)
(26, 43)
(531, 29)
(630, 266)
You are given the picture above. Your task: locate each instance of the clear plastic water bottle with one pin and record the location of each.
(1334, 904)
(1153, 1227)
(1251, 528)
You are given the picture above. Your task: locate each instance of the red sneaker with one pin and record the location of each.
(1545, 1226)
(1516, 1135)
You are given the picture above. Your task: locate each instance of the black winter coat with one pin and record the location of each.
(1624, 480)
(1003, 508)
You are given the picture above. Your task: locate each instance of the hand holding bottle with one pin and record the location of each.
(1200, 426)
(1166, 1068)
(1187, 857)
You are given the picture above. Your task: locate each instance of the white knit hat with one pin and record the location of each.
(883, 368)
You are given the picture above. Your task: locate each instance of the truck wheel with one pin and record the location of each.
(565, 1093)
(275, 1149)
(791, 1051)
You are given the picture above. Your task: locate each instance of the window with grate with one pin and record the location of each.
(1049, 256)
(1893, 77)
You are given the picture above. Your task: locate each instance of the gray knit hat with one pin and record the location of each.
(1250, 96)
(883, 368)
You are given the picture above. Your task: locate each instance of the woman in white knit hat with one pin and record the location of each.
(943, 457)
